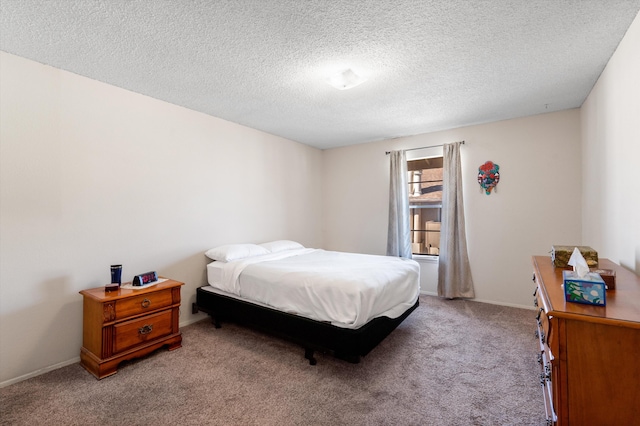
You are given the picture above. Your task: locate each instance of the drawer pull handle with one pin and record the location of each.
(544, 378)
(539, 313)
(146, 329)
(146, 303)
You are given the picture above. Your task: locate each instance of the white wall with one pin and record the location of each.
(611, 156)
(81, 160)
(93, 175)
(537, 203)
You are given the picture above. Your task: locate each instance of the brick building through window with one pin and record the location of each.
(425, 204)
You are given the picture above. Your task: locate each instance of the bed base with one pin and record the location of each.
(344, 343)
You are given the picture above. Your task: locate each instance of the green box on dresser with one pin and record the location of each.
(560, 255)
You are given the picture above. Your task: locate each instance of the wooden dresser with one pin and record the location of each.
(126, 324)
(589, 355)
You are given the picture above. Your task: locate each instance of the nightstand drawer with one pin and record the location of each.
(132, 333)
(144, 303)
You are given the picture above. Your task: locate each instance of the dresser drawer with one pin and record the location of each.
(544, 326)
(545, 356)
(543, 320)
(132, 333)
(147, 302)
(546, 379)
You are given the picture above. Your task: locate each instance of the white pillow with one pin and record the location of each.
(281, 245)
(235, 251)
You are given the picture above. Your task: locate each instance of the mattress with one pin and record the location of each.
(344, 289)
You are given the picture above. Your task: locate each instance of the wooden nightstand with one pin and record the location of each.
(126, 324)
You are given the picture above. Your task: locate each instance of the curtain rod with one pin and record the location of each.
(423, 147)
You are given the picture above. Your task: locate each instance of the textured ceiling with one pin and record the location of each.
(431, 65)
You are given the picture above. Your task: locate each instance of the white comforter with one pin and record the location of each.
(345, 289)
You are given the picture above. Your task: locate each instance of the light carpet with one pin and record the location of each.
(451, 362)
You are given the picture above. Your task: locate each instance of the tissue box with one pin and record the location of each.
(560, 255)
(589, 290)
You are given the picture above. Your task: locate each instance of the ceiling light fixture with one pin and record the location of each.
(346, 80)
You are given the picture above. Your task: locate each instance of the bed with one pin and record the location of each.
(343, 303)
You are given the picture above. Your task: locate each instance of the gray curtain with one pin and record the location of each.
(454, 272)
(399, 235)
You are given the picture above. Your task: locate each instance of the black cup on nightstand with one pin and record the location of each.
(116, 279)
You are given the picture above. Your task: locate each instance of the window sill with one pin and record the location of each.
(427, 258)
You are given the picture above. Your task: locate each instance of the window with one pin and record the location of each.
(425, 204)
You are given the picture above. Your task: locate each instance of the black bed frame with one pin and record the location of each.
(344, 343)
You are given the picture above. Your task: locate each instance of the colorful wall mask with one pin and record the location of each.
(488, 176)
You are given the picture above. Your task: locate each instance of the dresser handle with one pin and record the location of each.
(539, 313)
(146, 329)
(544, 378)
(146, 303)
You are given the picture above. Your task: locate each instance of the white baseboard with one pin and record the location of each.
(39, 372)
(511, 305)
(491, 302)
(194, 319)
(71, 361)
